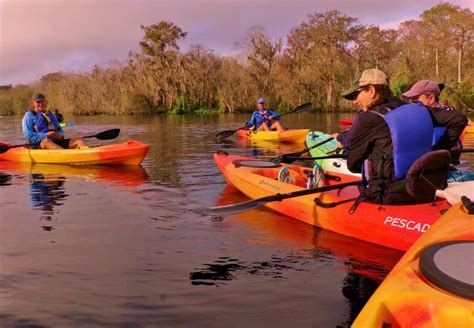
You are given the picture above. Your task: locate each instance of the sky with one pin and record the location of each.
(38, 37)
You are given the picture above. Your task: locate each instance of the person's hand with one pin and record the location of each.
(54, 135)
(270, 118)
(335, 135)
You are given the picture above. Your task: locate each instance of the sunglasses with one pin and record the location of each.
(359, 90)
(39, 102)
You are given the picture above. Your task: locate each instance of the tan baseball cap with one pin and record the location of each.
(371, 76)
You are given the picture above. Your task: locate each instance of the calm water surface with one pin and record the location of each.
(124, 246)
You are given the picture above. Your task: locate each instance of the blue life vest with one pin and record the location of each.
(46, 124)
(411, 129)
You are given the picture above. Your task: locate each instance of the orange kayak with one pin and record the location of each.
(129, 152)
(433, 284)
(293, 136)
(392, 226)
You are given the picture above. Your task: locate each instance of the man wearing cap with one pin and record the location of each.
(371, 147)
(42, 129)
(427, 92)
(264, 119)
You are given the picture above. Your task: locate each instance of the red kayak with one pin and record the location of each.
(392, 226)
(346, 122)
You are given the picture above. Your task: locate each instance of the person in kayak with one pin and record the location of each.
(42, 129)
(59, 116)
(264, 119)
(427, 92)
(371, 149)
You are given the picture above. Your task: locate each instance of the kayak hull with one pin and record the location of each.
(407, 298)
(396, 227)
(290, 136)
(130, 152)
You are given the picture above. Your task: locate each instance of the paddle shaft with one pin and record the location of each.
(314, 158)
(280, 197)
(290, 158)
(105, 135)
(256, 203)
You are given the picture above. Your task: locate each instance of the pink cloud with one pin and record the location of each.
(42, 36)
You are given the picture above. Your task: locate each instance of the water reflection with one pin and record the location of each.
(365, 265)
(47, 192)
(5, 179)
(47, 182)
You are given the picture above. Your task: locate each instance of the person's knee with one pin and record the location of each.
(49, 144)
(77, 143)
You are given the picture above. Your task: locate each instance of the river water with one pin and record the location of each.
(125, 247)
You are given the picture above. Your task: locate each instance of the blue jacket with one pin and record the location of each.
(35, 127)
(258, 117)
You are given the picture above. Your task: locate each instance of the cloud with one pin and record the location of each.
(42, 36)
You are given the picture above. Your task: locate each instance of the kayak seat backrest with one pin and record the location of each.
(428, 173)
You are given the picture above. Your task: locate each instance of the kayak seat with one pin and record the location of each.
(428, 173)
(291, 176)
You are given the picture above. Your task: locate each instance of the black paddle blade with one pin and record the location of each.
(301, 108)
(106, 135)
(4, 148)
(224, 134)
(236, 208)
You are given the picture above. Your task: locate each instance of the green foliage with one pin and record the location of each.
(182, 106)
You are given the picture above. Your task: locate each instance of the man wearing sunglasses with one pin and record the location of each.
(42, 129)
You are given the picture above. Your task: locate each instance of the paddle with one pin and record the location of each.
(105, 135)
(256, 203)
(291, 157)
(301, 108)
(296, 158)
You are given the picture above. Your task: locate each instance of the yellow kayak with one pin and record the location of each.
(469, 129)
(433, 283)
(294, 136)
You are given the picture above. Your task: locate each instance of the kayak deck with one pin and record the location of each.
(130, 152)
(293, 136)
(396, 227)
(407, 298)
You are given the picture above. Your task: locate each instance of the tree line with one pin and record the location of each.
(317, 61)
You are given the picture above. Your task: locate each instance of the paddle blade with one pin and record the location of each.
(224, 134)
(106, 135)
(301, 108)
(4, 148)
(237, 208)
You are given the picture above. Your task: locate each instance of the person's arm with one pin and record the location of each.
(361, 143)
(253, 120)
(454, 122)
(29, 131)
(274, 115)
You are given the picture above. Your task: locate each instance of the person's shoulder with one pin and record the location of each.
(29, 113)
